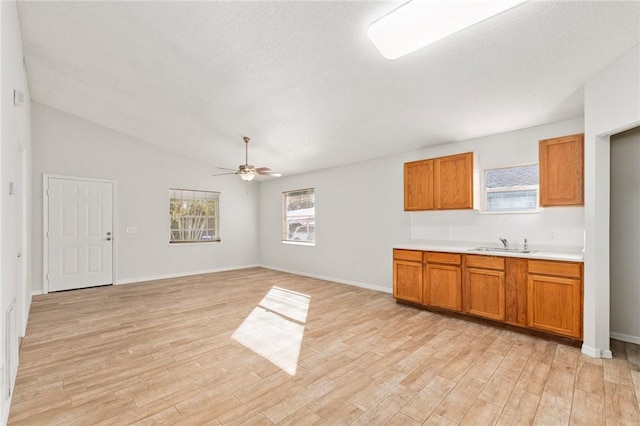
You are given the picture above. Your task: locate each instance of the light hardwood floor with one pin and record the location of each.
(168, 352)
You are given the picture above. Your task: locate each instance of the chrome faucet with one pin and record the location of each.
(504, 242)
(526, 245)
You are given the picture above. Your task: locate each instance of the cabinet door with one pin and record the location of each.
(453, 182)
(443, 287)
(407, 280)
(555, 305)
(562, 171)
(484, 293)
(418, 185)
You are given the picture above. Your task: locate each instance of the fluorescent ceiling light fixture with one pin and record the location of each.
(422, 22)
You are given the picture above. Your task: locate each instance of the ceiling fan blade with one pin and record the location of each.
(263, 169)
(224, 168)
(270, 174)
(222, 174)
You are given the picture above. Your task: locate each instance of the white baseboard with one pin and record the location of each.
(181, 274)
(6, 408)
(595, 352)
(36, 292)
(323, 277)
(625, 337)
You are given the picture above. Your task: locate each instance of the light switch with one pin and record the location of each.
(131, 230)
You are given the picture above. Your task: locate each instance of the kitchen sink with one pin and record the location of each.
(502, 250)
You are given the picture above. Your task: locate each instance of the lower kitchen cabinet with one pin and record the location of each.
(484, 286)
(484, 293)
(555, 305)
(541, 295)
(554, 297)
(407, 275)
(443, 281)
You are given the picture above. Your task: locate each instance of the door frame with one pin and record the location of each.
(45, 223)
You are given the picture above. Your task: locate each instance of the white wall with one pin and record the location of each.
(625, 236)
(359, 212)
(15, 154)
(64, 144)
(359, 215)
(612, 105)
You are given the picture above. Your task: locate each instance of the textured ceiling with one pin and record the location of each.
(302, 79)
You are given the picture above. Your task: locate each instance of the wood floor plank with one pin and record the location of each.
(520, 409)
(427, 400)
(499, 387)
(163, 352)
(560, 381)
(402, 420)
(457, 402)
(367, 396)
(633, 356)
(590, 378)
(385, 408)
(438, 420)
(534, 376)
(553, 410)
(587, 409)
(481, 413)
(288, 406)
(423, 374)
(621, 405)
(301, 417)
(616, 370)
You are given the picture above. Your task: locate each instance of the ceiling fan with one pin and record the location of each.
(246, 171)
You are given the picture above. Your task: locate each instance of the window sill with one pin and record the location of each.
(193, 244)
(536, 211)
(299, 243)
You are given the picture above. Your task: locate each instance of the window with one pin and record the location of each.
(299, 219)
(194, 216)
(511, 189)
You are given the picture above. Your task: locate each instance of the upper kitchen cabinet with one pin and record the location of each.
(562, 171)
(418, 185)
(453, 182)
(443, 183)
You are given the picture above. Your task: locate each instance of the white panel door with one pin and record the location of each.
(80, 234)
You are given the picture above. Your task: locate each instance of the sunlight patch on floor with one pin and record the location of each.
(275, 328)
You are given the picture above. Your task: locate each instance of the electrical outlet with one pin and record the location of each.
(445, 232)
(552, 235)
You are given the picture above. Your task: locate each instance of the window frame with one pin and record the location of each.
(216, 217)
(486, 191)
(285, 234)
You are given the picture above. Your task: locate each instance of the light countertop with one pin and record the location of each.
(467, 248)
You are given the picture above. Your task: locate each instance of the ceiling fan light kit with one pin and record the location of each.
(247, 171)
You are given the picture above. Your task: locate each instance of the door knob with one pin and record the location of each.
(108, 238)
(108, 233)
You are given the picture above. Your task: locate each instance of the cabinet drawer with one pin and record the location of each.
(487, 262)
(411, 255)
(559, 269)
(447, 258)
